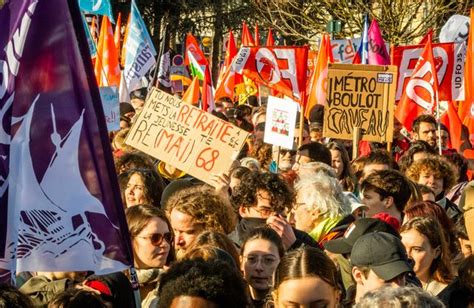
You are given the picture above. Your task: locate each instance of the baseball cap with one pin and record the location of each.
(381, 252)
(343, 245)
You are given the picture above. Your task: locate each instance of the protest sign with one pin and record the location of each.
(360, 96)
(280, 122)
(110, 103)
(186, 137)
(449, 59)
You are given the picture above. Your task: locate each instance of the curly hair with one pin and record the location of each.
(417, 146)
(324, 193)
(212, 280)
(440, 268)
(438, 166)
(205, 206)
(131, 160)
(281, 194)
(12, 297)
(263, 153)
(388, 296)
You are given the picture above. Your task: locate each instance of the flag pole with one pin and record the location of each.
(155, 81)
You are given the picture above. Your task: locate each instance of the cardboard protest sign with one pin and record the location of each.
(184, 136)
(360, 96)
(110, 103)
(280, 122)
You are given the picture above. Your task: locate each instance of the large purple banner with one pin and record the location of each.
(60, 207)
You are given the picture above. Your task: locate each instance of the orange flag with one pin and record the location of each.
(117, 31)
(191, 96)
(125, 37)
(421, 92)
(228, 79)
(247, 39)
(107, 70)
(466, 111)
(270, 41)
(318, 83)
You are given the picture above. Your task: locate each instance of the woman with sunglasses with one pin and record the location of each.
(141, 186)
(152, 243)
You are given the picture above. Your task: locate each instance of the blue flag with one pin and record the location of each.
(140, 52)
(100, 7)
(364, 43)
(60, 206)
(90, 40)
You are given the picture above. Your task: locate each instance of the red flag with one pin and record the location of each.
(207, 96)
(270, 41)
(107, 69)
(318, 86)
(192, 47)
(191, 96)
(257, 36)
(421, 92)
(427, 37)
(452, 121)
(281, 68)
(247, 39)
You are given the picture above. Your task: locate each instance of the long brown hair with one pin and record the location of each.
(440, 268)
(306, 262)
(139, 216)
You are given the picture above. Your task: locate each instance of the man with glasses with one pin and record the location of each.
(264, 199)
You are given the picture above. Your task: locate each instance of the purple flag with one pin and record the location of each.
(60, 207)
(378, 54)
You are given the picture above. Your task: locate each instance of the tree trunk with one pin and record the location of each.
(216, 41)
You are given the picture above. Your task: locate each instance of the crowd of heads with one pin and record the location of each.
(309, 225)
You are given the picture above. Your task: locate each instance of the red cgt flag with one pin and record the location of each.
(280, 68)
(421, 92)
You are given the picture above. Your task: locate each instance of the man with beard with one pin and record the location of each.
(194, 210)
(265, 199)
(424, 128)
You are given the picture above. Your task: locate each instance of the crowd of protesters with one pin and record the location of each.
(304, 227)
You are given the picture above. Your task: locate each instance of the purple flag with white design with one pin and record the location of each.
(60, 207)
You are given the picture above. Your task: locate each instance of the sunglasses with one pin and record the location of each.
(157, 238)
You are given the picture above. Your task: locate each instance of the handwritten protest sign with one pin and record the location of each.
(280, 122)
(185, 136)
(110, 103)
(360, 96)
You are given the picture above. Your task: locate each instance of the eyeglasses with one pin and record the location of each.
(264, 212)
(266, 260)
(157, 238)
